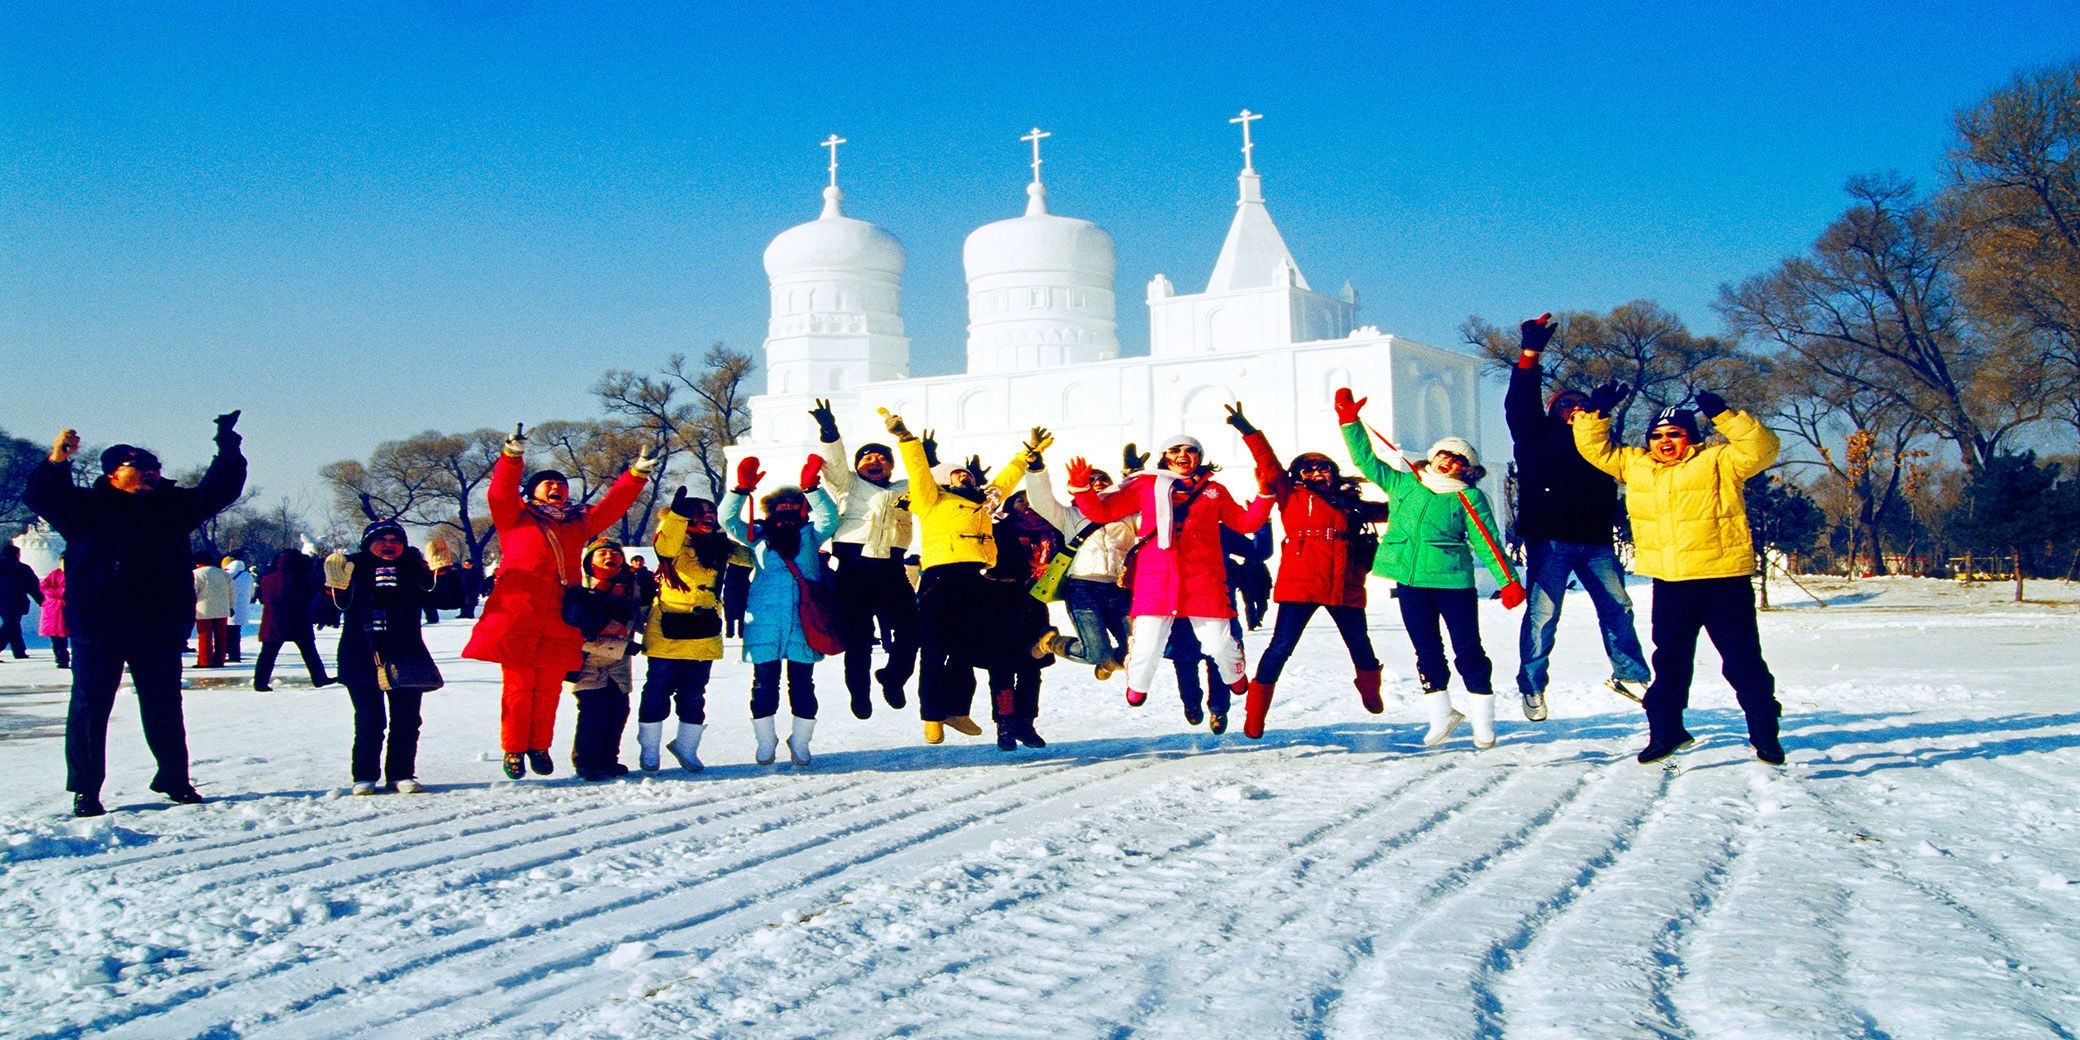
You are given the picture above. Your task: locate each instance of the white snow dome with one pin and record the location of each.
(831, 243)
(1039, 291)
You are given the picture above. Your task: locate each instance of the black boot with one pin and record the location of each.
(86, 805)
(1660, 747)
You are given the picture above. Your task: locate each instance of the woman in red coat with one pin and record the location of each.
(1322, 564)
(1179, 568)
(541, 543)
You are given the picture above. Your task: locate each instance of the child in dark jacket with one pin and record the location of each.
(381, 593)
(601, 685)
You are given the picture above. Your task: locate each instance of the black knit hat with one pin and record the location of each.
(1680, 418)
(119, 455)
(873, 446)
(527, 486)
(381, 527)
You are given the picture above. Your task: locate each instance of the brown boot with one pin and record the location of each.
(1368, 691)
(1051, 643)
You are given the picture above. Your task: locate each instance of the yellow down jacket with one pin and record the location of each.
(702, 595)
(955, 529)
(1689, 518)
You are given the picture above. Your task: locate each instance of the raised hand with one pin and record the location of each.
(65, 445)
(812, 472)
(1537, 333)
(931, 449)
(439, 556)
(516, 445)
(895, 425)
(1040, 442)
(1710, 404)
(1347, 407)
(748, 474)
(1238, 420)
(1132, 461)
(974, 465)
(826, 423)
(643, 465)
(339, 571)
(1079, 473)
(682, 503)
(226, 436)
(1603, 397)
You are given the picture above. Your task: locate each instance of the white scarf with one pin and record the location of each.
(1440, 483)
(1165, 512)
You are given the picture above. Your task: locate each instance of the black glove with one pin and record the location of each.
(1603, 397)
(1710, 404)
(227, 438)
(1238, 420)
(976, 467)
(1041, 439)
(1131, 461)
(682, 503)
(1537, 333)
(826, 423)
(931, 449)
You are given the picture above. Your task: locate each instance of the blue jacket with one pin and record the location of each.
(772, 617)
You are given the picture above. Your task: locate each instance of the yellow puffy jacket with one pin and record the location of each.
(955, 529)
(1689, 518)
(703, 592)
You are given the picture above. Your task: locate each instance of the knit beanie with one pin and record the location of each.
(116, 456)
(1184, 440)
(527, 486)
(1681, 418)
(369, 533)
(873, 446)
(1457, 446)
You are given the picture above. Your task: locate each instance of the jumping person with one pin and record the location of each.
(1565, 514)
(1438, 523)
(784, 545)
(1690, 529)
(872, 536)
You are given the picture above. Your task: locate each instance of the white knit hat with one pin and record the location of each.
(1459, 447)
(1185, 440)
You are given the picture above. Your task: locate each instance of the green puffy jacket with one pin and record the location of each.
(1430, 541)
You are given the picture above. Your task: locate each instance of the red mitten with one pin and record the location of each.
(1512, 596)
(812, 471)
(748, 473)
(1346, 408)
(1079, 472)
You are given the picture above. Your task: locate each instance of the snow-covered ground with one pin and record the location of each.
(1913, 872)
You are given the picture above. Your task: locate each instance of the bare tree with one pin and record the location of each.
(595, 454)
(2014, 195)
(698, 410)
(1877, 288)
(432, 480)
(1868, 444)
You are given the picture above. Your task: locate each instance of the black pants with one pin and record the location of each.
(153, 656)
(801, 689)
(1187, 658)
(671, 683)
(1292, 620)
(1725, 609)
(871, 589)
(11, 636)
(375, 710)
(602, 715)
(61, 650)
(1015, 693)
(952, 628)
(1421, 610)
(306, 644)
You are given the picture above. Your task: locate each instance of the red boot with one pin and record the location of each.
(1255, 706)
(1368, 690)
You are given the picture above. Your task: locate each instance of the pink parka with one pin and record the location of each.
(53, 622)
(1189, 578)
(522, 622)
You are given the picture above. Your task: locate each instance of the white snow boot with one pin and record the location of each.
(768, 741)
(686, 746)
(648, 736)
(798, 741)
(1443, 720)
(1480, 708)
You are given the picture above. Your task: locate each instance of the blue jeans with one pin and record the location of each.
(1548, 566)
(1099, 609)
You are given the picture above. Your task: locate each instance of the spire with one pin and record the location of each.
(831, 195)
(1254, 255)
(1036, 192)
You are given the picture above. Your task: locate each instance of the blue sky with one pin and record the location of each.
(361, 221)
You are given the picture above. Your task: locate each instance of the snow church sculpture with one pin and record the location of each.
(1043, 348)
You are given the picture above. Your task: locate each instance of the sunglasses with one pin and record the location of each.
(1672, 435)
(1316, 467)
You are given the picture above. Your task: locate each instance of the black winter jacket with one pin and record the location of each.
(380, 610)
(127, 562)
(1560, 497)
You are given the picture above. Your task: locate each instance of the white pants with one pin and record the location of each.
(1151, 633)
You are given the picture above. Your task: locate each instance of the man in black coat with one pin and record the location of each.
(129, 597)
(18, 586)
(1565, 514)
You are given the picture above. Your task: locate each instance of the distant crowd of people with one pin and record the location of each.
(943, 571)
